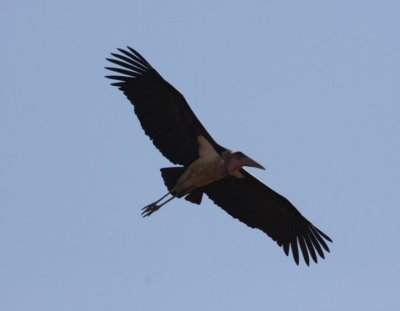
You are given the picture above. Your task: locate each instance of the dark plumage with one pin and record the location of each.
(207, 167)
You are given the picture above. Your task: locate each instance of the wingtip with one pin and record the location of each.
(117, 84)
(295, 251)
(320, 237)
(286, 248)
(304, 251)
(325, 236)
(310, 248)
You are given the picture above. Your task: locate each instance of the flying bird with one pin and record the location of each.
(205, 167)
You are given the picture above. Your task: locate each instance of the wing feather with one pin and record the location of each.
(162, 111)
(258, 206)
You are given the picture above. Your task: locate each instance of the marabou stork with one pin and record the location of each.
(207, 167)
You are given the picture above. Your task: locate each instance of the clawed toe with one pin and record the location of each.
(149, 209)
(155, 206)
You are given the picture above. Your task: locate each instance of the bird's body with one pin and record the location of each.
(200, 173)
(206, 167)
(209, 167)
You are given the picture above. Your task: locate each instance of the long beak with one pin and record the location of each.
(250, 162)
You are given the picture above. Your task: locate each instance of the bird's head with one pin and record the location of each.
(236, 160)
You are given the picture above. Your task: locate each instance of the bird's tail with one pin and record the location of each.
(171, 176)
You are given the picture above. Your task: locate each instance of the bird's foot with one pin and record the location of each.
(150, 209)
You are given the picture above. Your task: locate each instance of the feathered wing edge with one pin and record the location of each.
(258, 206)
(162, 110)
(133, 65)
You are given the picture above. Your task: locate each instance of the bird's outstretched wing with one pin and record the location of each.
(258, 206)
(162, 111)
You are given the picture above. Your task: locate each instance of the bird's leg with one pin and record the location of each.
(151, 208)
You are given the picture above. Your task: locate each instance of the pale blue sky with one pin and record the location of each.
(310, 89)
